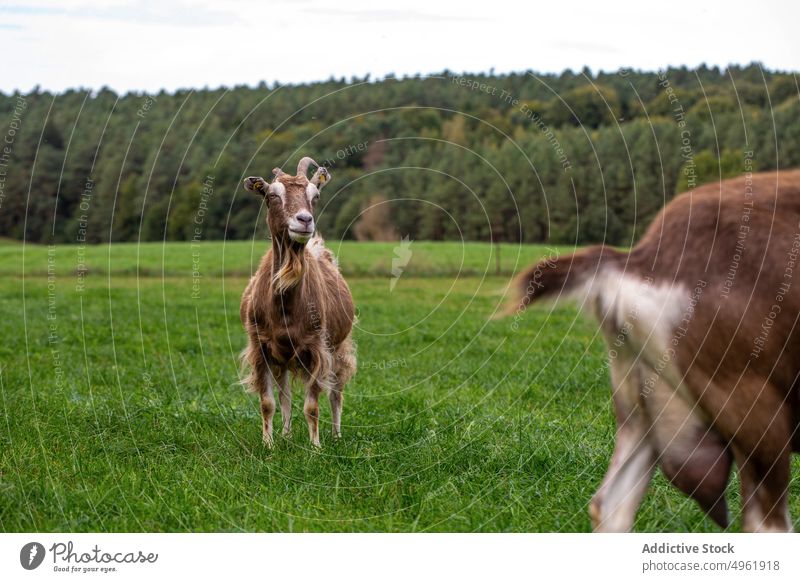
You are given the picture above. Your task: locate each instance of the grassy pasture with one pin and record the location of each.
(120, 408)
(241, 258)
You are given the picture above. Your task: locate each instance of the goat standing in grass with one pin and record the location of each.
(704, 318)
(297, 309)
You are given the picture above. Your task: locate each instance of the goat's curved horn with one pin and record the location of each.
(302, 167)
(278, 172)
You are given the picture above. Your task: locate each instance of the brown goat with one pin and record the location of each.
(701, 322)
(297, 309)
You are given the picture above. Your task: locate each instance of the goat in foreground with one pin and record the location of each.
(703, 316)
(297, 309)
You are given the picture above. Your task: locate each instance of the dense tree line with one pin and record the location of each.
(563, 158)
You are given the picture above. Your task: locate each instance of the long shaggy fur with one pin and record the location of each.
(290, 272)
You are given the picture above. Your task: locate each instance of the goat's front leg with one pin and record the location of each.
(311, 410)
(764, 486)
(763, 457)
(760, 435)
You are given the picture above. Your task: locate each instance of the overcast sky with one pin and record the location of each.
(140, 45)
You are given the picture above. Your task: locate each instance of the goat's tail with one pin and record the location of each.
(565, 277)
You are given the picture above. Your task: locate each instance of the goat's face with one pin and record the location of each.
(291, 201)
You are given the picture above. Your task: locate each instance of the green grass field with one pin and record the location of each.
(121, 409)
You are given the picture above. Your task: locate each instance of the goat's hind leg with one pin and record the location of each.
(311, 410)
(336, 398)
(317, 378)
(285, 397)
(262, 381)
(613, 507)
(692, 455)
(344, 369)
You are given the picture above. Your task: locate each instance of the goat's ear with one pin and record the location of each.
(321, 177)
(256, 184)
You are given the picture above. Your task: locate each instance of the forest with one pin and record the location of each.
(572, 158)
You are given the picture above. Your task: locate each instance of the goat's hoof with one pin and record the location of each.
(268, 441)
(287, 434)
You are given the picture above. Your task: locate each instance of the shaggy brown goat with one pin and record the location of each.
(701, 320)
(297, 309)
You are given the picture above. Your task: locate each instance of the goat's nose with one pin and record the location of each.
(305, 218)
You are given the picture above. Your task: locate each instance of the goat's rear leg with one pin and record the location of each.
(311, 410)
(285, 396)
(613, 507)
(345, 368)
(692, 455)
(261, 381)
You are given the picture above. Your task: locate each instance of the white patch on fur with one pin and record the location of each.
(316, 246)
(312, 193)
(278, 189)
(648, 312)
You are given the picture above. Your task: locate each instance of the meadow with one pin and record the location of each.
(121, 408)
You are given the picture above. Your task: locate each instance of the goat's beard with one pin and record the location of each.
(291, 268)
